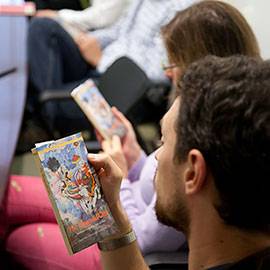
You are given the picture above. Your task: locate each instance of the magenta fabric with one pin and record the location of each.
(26, 201)
(41, 246)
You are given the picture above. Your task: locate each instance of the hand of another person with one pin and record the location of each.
(114, 149)
(89, 48)
(46, 13)
(130, 145)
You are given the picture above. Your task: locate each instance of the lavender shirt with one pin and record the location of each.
(138, 198)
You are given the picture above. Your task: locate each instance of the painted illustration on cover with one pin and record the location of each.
(75, 191)
(98, 110)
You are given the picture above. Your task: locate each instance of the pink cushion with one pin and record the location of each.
(26, 201)
(41, 246)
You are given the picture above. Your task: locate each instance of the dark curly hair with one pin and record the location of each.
(225, 114)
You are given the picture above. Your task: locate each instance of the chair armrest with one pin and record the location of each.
(54, 94)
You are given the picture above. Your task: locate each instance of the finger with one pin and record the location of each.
(123, 120)
(83, 45)
(101, 172)
(106, 146)
(100, 161)
(116, 143)
(99, 136)
(104, 162)
(79, 40)
(120, 117)
(40, 13)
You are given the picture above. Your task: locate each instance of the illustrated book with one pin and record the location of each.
(97, 110)
(75, 192)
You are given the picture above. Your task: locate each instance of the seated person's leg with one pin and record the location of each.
(56, 4)
(41, 246)
(54, 58)
(27, 201)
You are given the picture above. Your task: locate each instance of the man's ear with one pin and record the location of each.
(195, 172)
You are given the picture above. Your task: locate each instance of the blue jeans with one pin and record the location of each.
(55, 62)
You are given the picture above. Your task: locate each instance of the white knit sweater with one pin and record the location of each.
(101, 14)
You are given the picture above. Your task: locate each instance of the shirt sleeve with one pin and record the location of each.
(100, 14)
(134, 172)
(151, 234)
(107, 35)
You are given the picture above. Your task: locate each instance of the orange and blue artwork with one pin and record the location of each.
(75, 191)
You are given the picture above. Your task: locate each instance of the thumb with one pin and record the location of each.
(116, 142)
(100, 162)
(103, 162)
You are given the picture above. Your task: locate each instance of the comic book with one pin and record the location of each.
(97, 110)
(75, 192)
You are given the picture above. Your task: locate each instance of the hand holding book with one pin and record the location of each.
(130, 145)
(111, 176)
(114, 149)
(128, 152)
(97, 110)
(75, 193)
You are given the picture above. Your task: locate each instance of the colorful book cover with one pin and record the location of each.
(75, 192)
(97, 110)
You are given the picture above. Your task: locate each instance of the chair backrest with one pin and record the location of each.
(167, 260)
(123, 84)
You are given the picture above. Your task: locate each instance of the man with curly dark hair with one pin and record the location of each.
(213, 170)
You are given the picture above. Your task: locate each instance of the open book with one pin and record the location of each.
(97, 110)
(75, 192)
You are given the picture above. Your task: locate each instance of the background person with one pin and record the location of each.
(55, 59)
(187, 33)
(102, 13)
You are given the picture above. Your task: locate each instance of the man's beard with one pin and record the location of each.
(175, 214)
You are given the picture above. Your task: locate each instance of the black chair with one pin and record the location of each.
(58, 4)
(123, 85)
